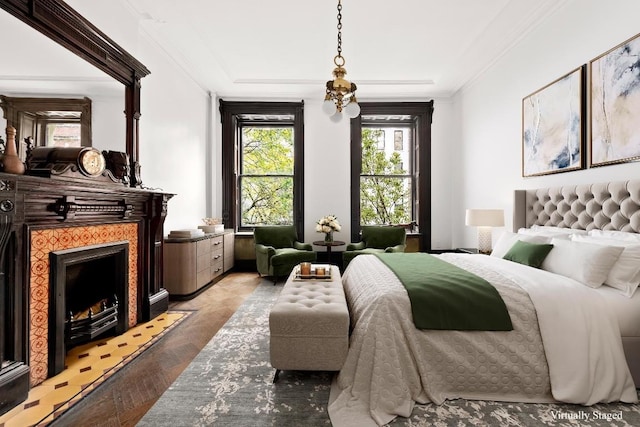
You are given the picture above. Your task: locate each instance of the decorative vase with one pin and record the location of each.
(328, 237)
(11, 163)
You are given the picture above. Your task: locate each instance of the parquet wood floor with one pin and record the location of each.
(123, 399)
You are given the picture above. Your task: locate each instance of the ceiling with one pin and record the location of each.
(285, 48)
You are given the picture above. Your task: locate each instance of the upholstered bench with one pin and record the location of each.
(309, 325)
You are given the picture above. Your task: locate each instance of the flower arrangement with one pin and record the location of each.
(212, 221)
(327, 225)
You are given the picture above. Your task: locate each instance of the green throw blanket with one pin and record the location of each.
(444, 296)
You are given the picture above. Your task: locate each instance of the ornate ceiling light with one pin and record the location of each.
(341, 94)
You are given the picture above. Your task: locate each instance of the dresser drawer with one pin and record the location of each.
(216, 268)
(216, 242)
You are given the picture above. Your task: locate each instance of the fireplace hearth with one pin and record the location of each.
(88, 297)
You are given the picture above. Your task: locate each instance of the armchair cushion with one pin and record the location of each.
(278, 236)
(382, 237)
(355, 246)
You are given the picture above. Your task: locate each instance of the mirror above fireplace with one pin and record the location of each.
(101, 70)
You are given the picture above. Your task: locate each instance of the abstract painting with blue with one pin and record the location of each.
(552, 126)
(615, 104)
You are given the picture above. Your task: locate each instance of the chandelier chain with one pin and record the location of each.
(340, 93)
(339, 28)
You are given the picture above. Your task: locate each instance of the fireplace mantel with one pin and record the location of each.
(29, 204)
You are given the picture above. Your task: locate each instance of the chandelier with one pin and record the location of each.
(341, 94)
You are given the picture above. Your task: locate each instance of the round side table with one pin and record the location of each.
(329, 245)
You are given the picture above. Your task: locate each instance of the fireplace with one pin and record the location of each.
(44, 245)
(41, 218)
(88, 297)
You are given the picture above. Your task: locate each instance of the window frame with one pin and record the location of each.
(385, 126)
(231, 113)
(421, 114)
(242, 124)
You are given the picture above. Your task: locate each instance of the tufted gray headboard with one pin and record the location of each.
(604, 206)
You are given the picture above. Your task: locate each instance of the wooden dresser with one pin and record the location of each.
(191, 264)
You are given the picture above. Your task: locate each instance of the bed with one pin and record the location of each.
(570, 342)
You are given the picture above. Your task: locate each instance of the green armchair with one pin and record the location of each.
(376, 239)
(278, 250)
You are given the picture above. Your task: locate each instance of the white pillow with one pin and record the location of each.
(560, 230)
(507, 239)
(625, 273)
(617, 235)
(588, 263)
(543, 233)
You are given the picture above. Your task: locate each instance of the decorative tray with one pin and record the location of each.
(313, 276)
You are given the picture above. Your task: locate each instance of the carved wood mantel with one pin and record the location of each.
(29, 203)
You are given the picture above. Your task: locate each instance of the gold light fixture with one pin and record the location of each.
(341, 94)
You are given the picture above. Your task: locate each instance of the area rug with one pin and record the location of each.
(86, 367)
(230, 383)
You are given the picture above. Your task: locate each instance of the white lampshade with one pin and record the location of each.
(352, 110)
(329, 107)
(484, 219)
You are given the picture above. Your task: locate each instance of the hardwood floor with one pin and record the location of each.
(124, 398)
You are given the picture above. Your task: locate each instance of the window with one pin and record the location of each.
(386, 187)
(262, 171)
(390, 180)
(265, 178)
(63, 134)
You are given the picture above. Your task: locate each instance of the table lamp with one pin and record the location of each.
(484, 219)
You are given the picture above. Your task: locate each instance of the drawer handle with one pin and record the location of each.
(217, 256)
(217, 269)
(217, 243)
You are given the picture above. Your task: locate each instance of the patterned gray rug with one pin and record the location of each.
(230, 384)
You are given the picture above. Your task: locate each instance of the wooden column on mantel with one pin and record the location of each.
(30, 203)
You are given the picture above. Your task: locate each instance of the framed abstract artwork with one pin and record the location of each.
(553, 126)
(615, 104)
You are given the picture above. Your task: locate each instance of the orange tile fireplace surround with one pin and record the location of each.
(42, 243)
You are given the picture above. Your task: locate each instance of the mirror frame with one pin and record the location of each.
(64, 25)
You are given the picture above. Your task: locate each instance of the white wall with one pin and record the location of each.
(327, 168)
(173, 123)
(173, 132)
(489, 109)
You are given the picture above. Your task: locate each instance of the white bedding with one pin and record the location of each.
(627, 310)
(391, 364)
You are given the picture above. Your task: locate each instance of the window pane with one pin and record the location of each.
(388, 160)
(63, 135)
(267, 150)
(266, 201)
(385, 200)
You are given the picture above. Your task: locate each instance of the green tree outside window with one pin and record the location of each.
(385, 186)
(266, 176)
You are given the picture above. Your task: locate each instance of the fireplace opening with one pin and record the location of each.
(88, 298)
